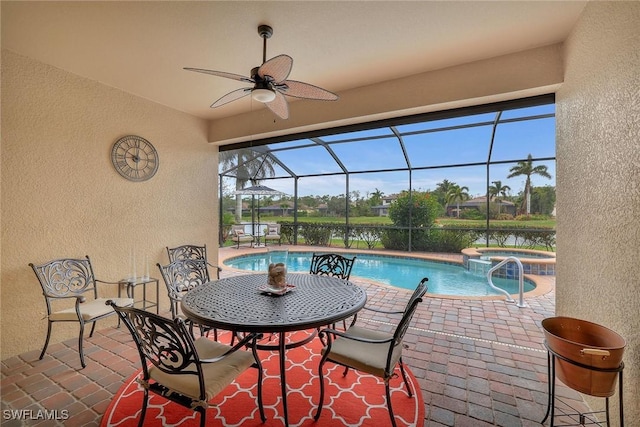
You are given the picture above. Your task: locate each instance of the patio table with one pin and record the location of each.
(236, 304)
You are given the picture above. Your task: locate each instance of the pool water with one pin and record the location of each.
(402, 272)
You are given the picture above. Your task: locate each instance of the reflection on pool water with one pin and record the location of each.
(402, 272)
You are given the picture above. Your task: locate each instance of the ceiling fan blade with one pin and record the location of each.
(277, 69)
(279, 106)
(222, 74)
(305, 91)
(232, 96)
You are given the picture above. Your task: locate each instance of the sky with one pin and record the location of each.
(439, 147)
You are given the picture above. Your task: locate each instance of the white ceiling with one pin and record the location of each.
(141, 47)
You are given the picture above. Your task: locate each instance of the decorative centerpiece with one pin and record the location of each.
(277, 276)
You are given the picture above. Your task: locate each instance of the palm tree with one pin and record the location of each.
(249, 167)
(527, 169)
(442, 188)
(497, 189)
(457, 194)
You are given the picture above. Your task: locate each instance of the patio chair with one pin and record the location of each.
(273, 234)
(70, 291)
(334, 265)
(331, 264)
(182, 370)
(181, 276)
(239, 236)
(371, 351)
(191, 252)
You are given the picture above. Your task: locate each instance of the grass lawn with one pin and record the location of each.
(383, 220)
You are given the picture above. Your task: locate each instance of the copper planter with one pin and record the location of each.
(592, 347)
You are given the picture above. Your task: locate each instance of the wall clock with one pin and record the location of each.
(134, 158)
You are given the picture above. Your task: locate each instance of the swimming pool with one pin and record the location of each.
(403, 272)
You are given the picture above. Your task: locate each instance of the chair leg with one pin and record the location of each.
(388, 393)
(46, 341)
(203, 416)
(80, 339)
(404, 378)
(93, 328)
(254, 350)
(321, 378)
(145, 400)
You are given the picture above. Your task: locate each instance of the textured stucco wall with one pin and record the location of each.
(598, 180)
(61, 197)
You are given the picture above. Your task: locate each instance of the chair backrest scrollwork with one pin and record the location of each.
(187, 252)
(66, 277)
(332, 264)
(163, 342)
(181, 276)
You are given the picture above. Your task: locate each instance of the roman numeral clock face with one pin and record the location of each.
(134, 158)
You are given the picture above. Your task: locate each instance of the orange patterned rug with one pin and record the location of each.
(355, 400)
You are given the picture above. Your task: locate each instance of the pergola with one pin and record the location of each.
(413, 150)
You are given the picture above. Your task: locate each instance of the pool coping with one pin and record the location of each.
(543, 284)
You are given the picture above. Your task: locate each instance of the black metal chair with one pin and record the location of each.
(371, 351)
(332, 264)
(70, 291)
(191, 252)
(181, 276)
(182, 370)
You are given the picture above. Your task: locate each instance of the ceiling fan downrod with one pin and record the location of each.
(265, 32)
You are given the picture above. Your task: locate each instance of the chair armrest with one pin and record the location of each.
(242, 343)
(79, 298)
(341, 334)
(214, 266)
(107, 282)
(377, 310)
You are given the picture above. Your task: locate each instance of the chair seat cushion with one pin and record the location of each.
(272, 236)
(366, 357)
(217, 375)
(90, 310)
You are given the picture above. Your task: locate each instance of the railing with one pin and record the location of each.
(520, 280)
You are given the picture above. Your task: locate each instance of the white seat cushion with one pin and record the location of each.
(217, 375)
(366, 357)
(90, 310)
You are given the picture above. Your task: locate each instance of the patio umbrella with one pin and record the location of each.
(259, 190)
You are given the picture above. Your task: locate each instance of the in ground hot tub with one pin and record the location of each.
(533, 261)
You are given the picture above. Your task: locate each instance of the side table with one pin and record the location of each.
(145, 303)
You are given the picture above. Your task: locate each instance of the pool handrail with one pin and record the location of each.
(520, 302)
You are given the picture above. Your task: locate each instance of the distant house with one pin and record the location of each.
(480, 204)
(383, 209)
(278, 209)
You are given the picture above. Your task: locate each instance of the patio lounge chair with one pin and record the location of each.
(182, 370)
(273, 234)
(371, 351)
(239, 236)
(72, 281)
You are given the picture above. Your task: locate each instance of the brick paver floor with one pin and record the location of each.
(478, 362)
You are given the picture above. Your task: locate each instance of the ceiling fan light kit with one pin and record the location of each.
(263, 95)
(270, 82)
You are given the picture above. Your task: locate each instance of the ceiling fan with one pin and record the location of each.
(270, 82)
